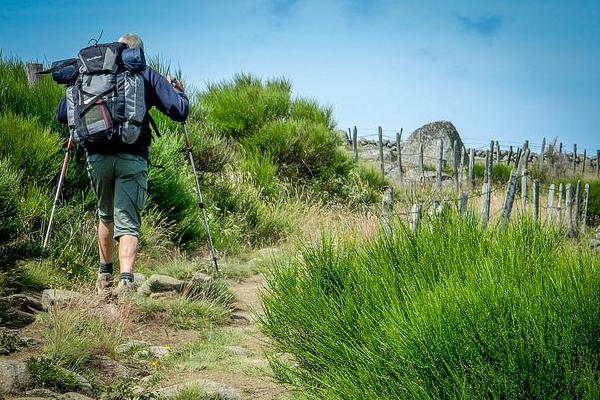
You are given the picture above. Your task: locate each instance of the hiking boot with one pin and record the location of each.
(124, 289)
(104, 285)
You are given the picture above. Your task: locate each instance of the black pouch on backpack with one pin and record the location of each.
(64, 72)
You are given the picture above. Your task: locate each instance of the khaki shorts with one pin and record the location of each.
(120, 182)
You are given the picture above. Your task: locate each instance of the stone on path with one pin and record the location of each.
(160, 283)
(205, 387)
(58, 298)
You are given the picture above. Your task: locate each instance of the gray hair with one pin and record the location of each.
(132, 41)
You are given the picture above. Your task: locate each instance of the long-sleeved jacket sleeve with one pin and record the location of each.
(170, 102)
(61, 111)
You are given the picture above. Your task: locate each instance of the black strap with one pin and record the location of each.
(153, 125)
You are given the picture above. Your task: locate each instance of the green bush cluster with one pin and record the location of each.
(453, 312)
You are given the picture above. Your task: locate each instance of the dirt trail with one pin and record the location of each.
(235, 353)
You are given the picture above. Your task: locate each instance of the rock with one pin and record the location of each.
(17, 319)
(14, 376)
(58, 298)
(73, 396)
(160, 283)
(111, 368)
(597, 231)
(595, 244)
(430, 134)
(158, 351)
(43, 393)
(131, 345)
(205, 387)
(139, 279)
(25, 302)
(83, 385)
(199, 284)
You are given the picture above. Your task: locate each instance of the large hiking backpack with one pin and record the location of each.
(106, 103)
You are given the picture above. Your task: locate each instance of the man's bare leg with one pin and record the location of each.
(106, 243)
(128, 246)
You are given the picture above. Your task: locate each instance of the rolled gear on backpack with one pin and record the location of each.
(107, 101)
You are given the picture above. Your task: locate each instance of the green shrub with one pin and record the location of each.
(240, 107)
(31, 147)
(45, 373)
(310, 110)
(10, 341)
(454, 312)
(15, 245)
(501, 173)
(29, 102)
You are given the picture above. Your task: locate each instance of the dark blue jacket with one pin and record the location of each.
(160, 94)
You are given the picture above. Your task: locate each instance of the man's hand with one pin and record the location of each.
(177, 84)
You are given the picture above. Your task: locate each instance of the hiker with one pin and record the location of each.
(117, 169)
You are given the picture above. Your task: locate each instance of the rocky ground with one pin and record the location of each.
(152, 359)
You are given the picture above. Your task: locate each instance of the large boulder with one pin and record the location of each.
(429, 135)
(14, 376)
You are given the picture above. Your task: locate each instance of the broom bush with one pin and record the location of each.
(454, 312)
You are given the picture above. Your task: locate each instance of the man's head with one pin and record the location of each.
(132, 41)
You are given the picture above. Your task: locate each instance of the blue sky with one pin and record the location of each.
(506, 70)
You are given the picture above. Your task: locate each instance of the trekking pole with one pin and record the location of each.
(60, 181)
(201, 202)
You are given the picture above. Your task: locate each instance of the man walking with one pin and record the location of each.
(118, 174)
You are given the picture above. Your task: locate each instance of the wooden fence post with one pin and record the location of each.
(485, 203)
(574, 157)
(583, 162)
(416, 215)
(536, 200)
(420, 161)
(510, 154)
(597, 163)
(455, 164)
(486, 178)
(586, 194)
(387, 204)
(569, 208)
(560, 148)
(461, 175)
(541, 160)
(550, 208)
(491, 155)
(497, 152)
(349, 136)
(463, 201)
(559, 205)
(381, 160)
(576, 206)
(399, 153)
(440, 166)
(472, 168)
(511, 190)
(32, 70)
(355, 142)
